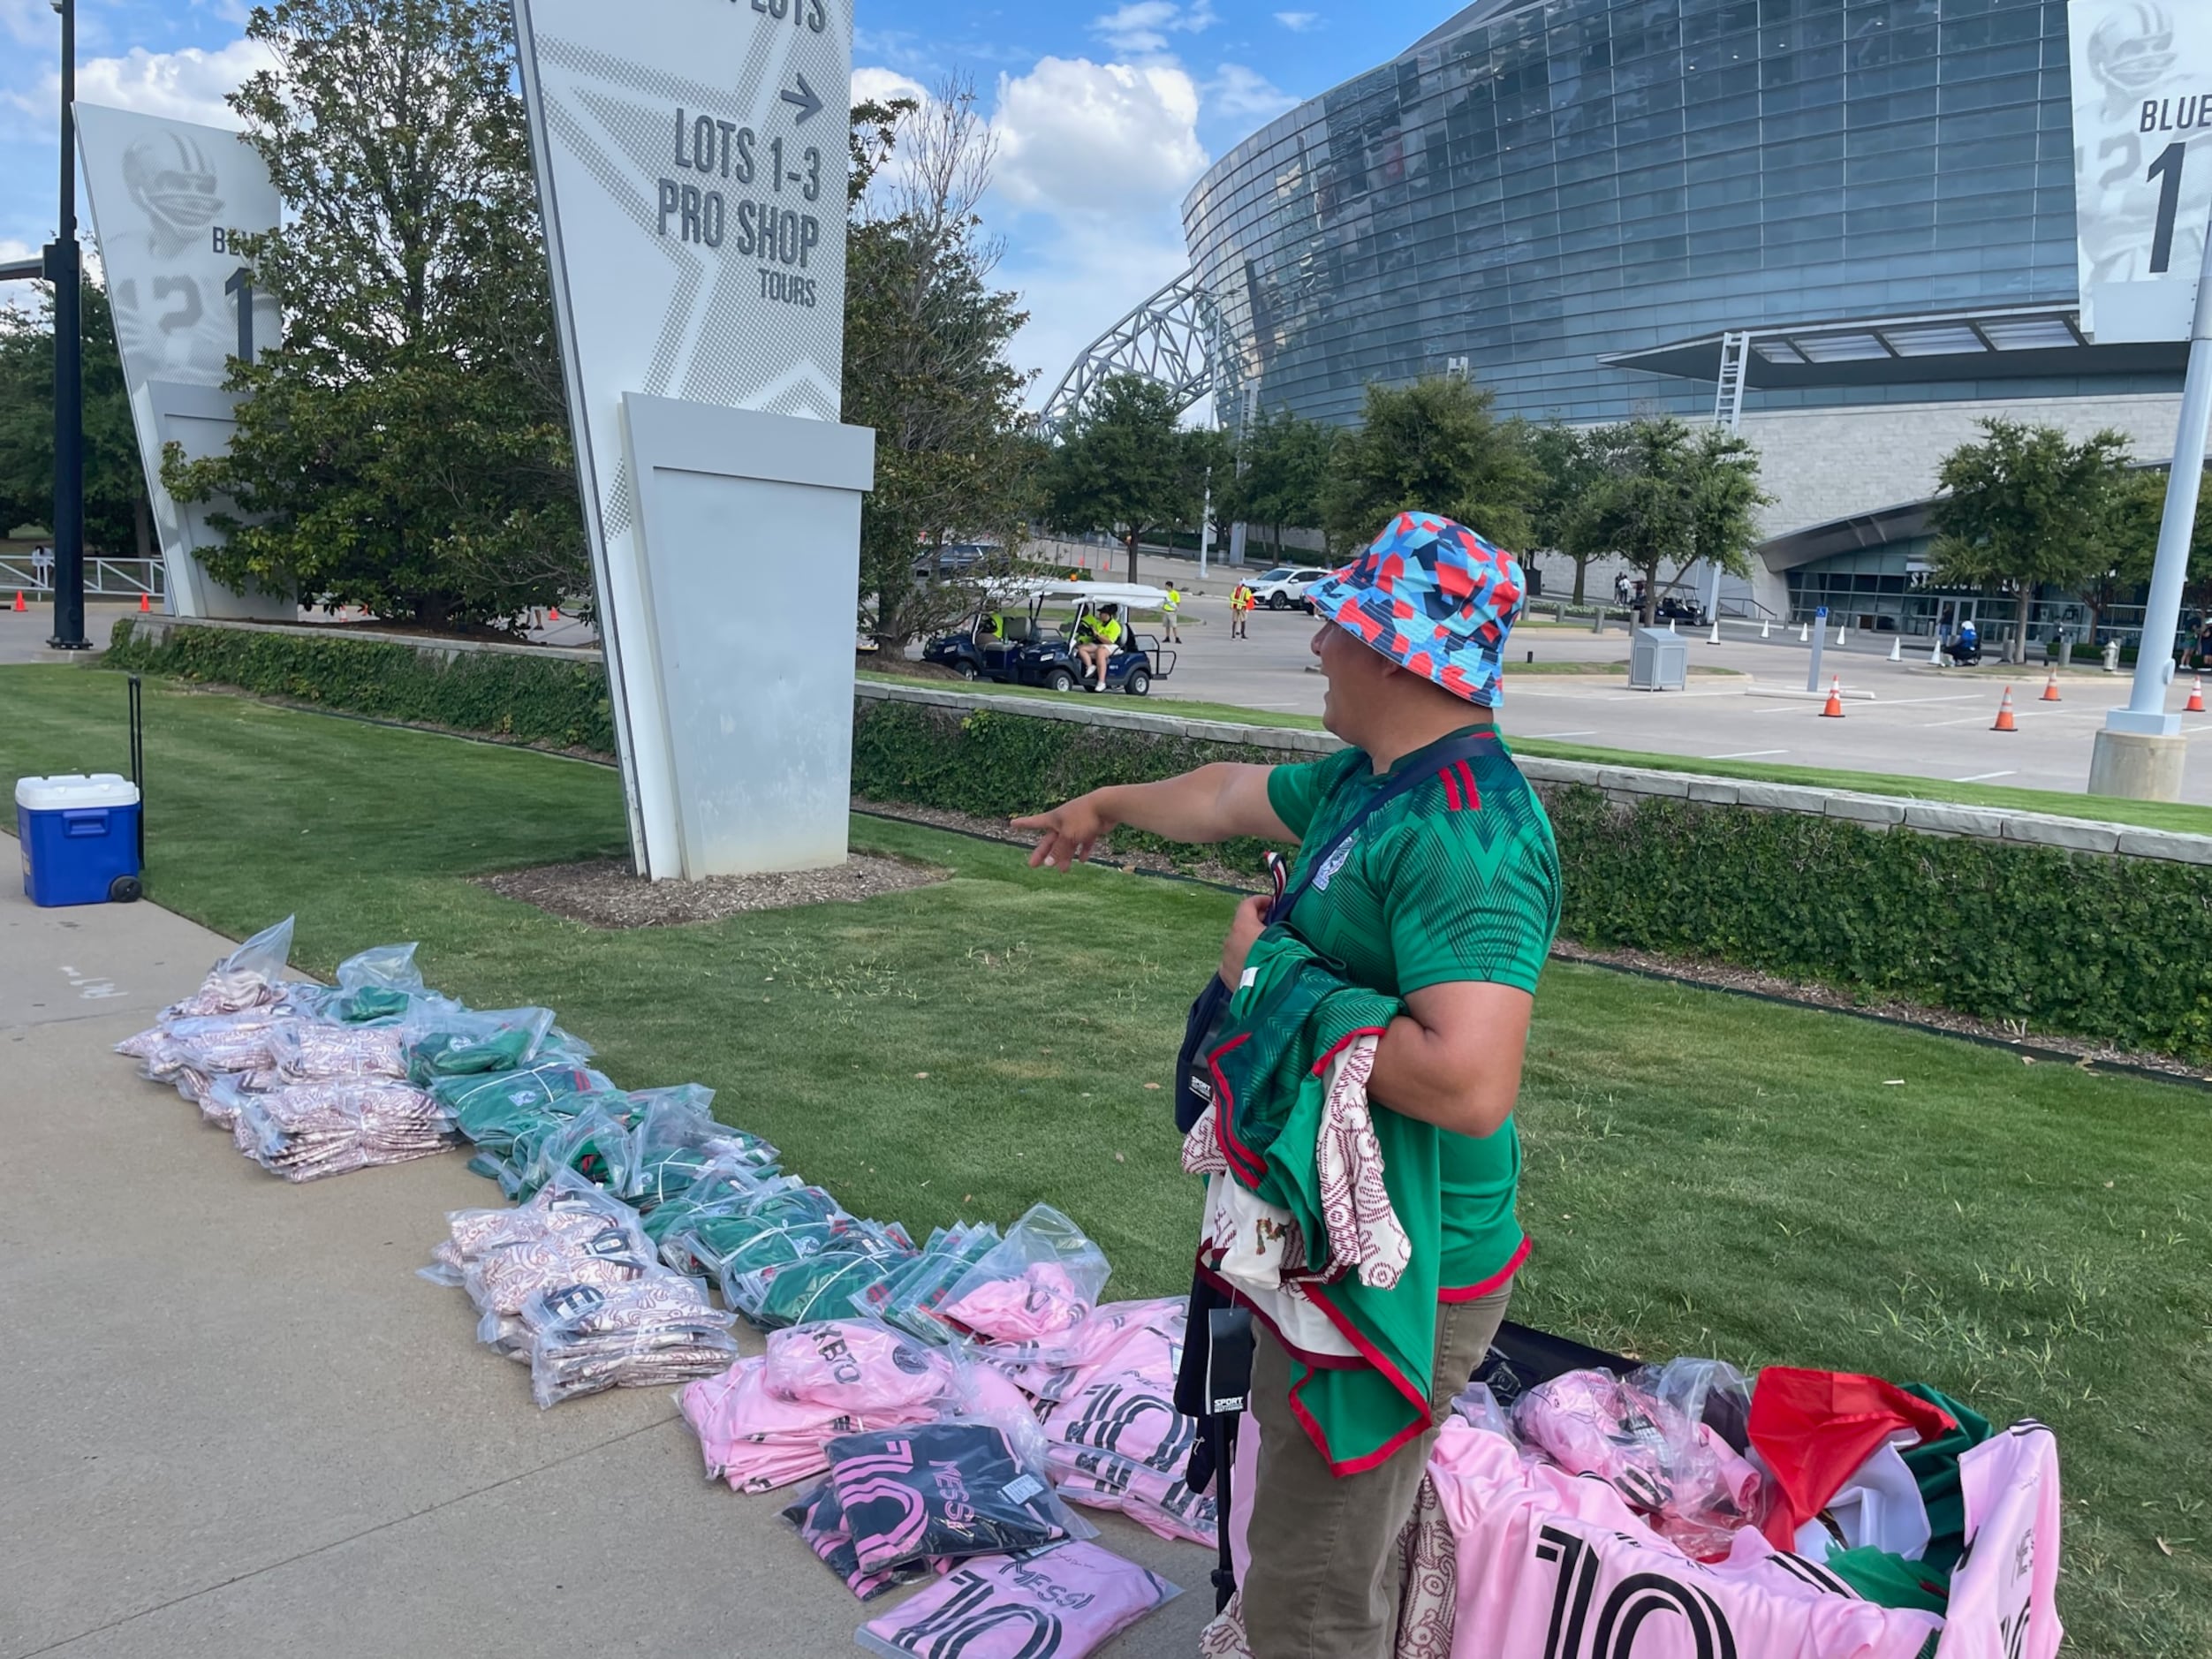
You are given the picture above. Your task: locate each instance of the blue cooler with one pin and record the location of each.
(80, 838)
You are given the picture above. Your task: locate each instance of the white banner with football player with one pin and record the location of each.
(168, 199)
(2142, 132)
(690, 163)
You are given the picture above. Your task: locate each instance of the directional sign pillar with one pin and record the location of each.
(690, 163)
(2143, 137)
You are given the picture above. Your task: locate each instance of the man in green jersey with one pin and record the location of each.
(1446, 897)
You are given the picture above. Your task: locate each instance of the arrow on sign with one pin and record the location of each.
(803, 98)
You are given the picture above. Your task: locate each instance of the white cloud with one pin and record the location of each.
(1241, 94)
(1299, 22)
(883, 85)
(1095, 159)
(1077, 138)
(187, 84)
(1144, 26)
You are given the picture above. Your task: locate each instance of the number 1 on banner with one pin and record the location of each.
(241, 287)
(2167, 170)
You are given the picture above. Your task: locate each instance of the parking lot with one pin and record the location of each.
(1921, 720)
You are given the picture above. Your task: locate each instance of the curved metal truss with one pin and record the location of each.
(1171, 337)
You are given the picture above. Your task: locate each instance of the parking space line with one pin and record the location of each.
(1745, 754)
(1545, 737)
(1983, 778)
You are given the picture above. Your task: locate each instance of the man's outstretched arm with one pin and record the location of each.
(1214, 803)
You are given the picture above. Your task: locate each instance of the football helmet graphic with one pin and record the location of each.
(2132, 50)
(169, 177)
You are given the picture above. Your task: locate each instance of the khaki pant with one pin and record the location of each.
(1324, 1581)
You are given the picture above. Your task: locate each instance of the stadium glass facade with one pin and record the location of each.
(1531, 187)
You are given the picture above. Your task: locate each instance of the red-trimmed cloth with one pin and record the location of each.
(1813, 1429)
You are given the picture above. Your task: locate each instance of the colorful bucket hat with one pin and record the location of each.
(1434, 597)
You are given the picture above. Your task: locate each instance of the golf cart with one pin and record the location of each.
(1027, 649)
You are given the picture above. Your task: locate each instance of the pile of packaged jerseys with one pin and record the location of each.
(943, 1402)
(311, 1079)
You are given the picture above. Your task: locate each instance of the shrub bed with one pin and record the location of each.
(547, 700)
(2096, 947)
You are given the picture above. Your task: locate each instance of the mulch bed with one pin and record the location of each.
(606, 893)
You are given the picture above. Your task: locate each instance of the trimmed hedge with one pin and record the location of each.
(548, 701)
(2097, 947)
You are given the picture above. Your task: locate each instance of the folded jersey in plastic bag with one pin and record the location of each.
(307, 1051)
(207, 1043)
(1065, 1602)
(442, 1041)
(306, 1130)
(721, 1190)
(492, 1107)
(821, 1526)
(943, 1488)
(569, 1208)
(250, 976)
(676, 1142)
(1115, 1440)
(594, 1141)
(648, 1332)
(822, 1283)
(854, 1365)
(1032, 1290)
(1696, 1491)
(909, 1298)
(758, 1440)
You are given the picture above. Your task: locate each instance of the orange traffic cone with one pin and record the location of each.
(1835, 708)
(19, 605)
(553, 613)
(2051, 688)
(2005, 713)
(2195, 706)
(146, 603)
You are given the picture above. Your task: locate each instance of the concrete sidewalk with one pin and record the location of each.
(238, 1424)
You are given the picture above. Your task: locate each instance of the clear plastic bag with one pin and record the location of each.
(250, 977)
(594, 1142)
(390, 967)
(1696, 1492)
(311, 1130)
(1475, 1404)
(1033, 1290)
(856, 1366)
(787, 1219)
(1709, 1392)
(646, 1332)
(950, 1488)
(444, 1041)
(1115, 1440)
(677, 1141)
(819, 1283)
(908, 1299)
(570, 1233)
(721, 1190)
(758, 1440)
(821, 1527)
(1083, 1595)
(306, 1052)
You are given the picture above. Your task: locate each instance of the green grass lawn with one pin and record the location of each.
(2108, 808)
(1705, 1173)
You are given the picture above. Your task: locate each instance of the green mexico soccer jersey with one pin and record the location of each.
(1457, 878)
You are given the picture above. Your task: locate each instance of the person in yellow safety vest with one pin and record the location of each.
(1169, 606)
(1240, 609)
(1097, 637)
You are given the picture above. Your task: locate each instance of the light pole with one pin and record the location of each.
(63, 265)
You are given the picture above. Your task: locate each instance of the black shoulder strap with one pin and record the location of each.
(1460, 748)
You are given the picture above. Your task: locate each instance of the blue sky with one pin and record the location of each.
(1104, 114)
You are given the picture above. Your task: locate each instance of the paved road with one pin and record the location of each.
(238, 1424)
(1923, 721)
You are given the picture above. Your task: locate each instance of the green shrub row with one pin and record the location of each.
(552, 702)
(2102, 948)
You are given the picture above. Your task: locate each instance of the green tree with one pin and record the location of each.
(1570, 465)
(925, 337)
(1437, 446)
(406, 446)
(1122, 465)
(1281, 467)
(117, 520)
(2026, 507)
(1667, 496)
